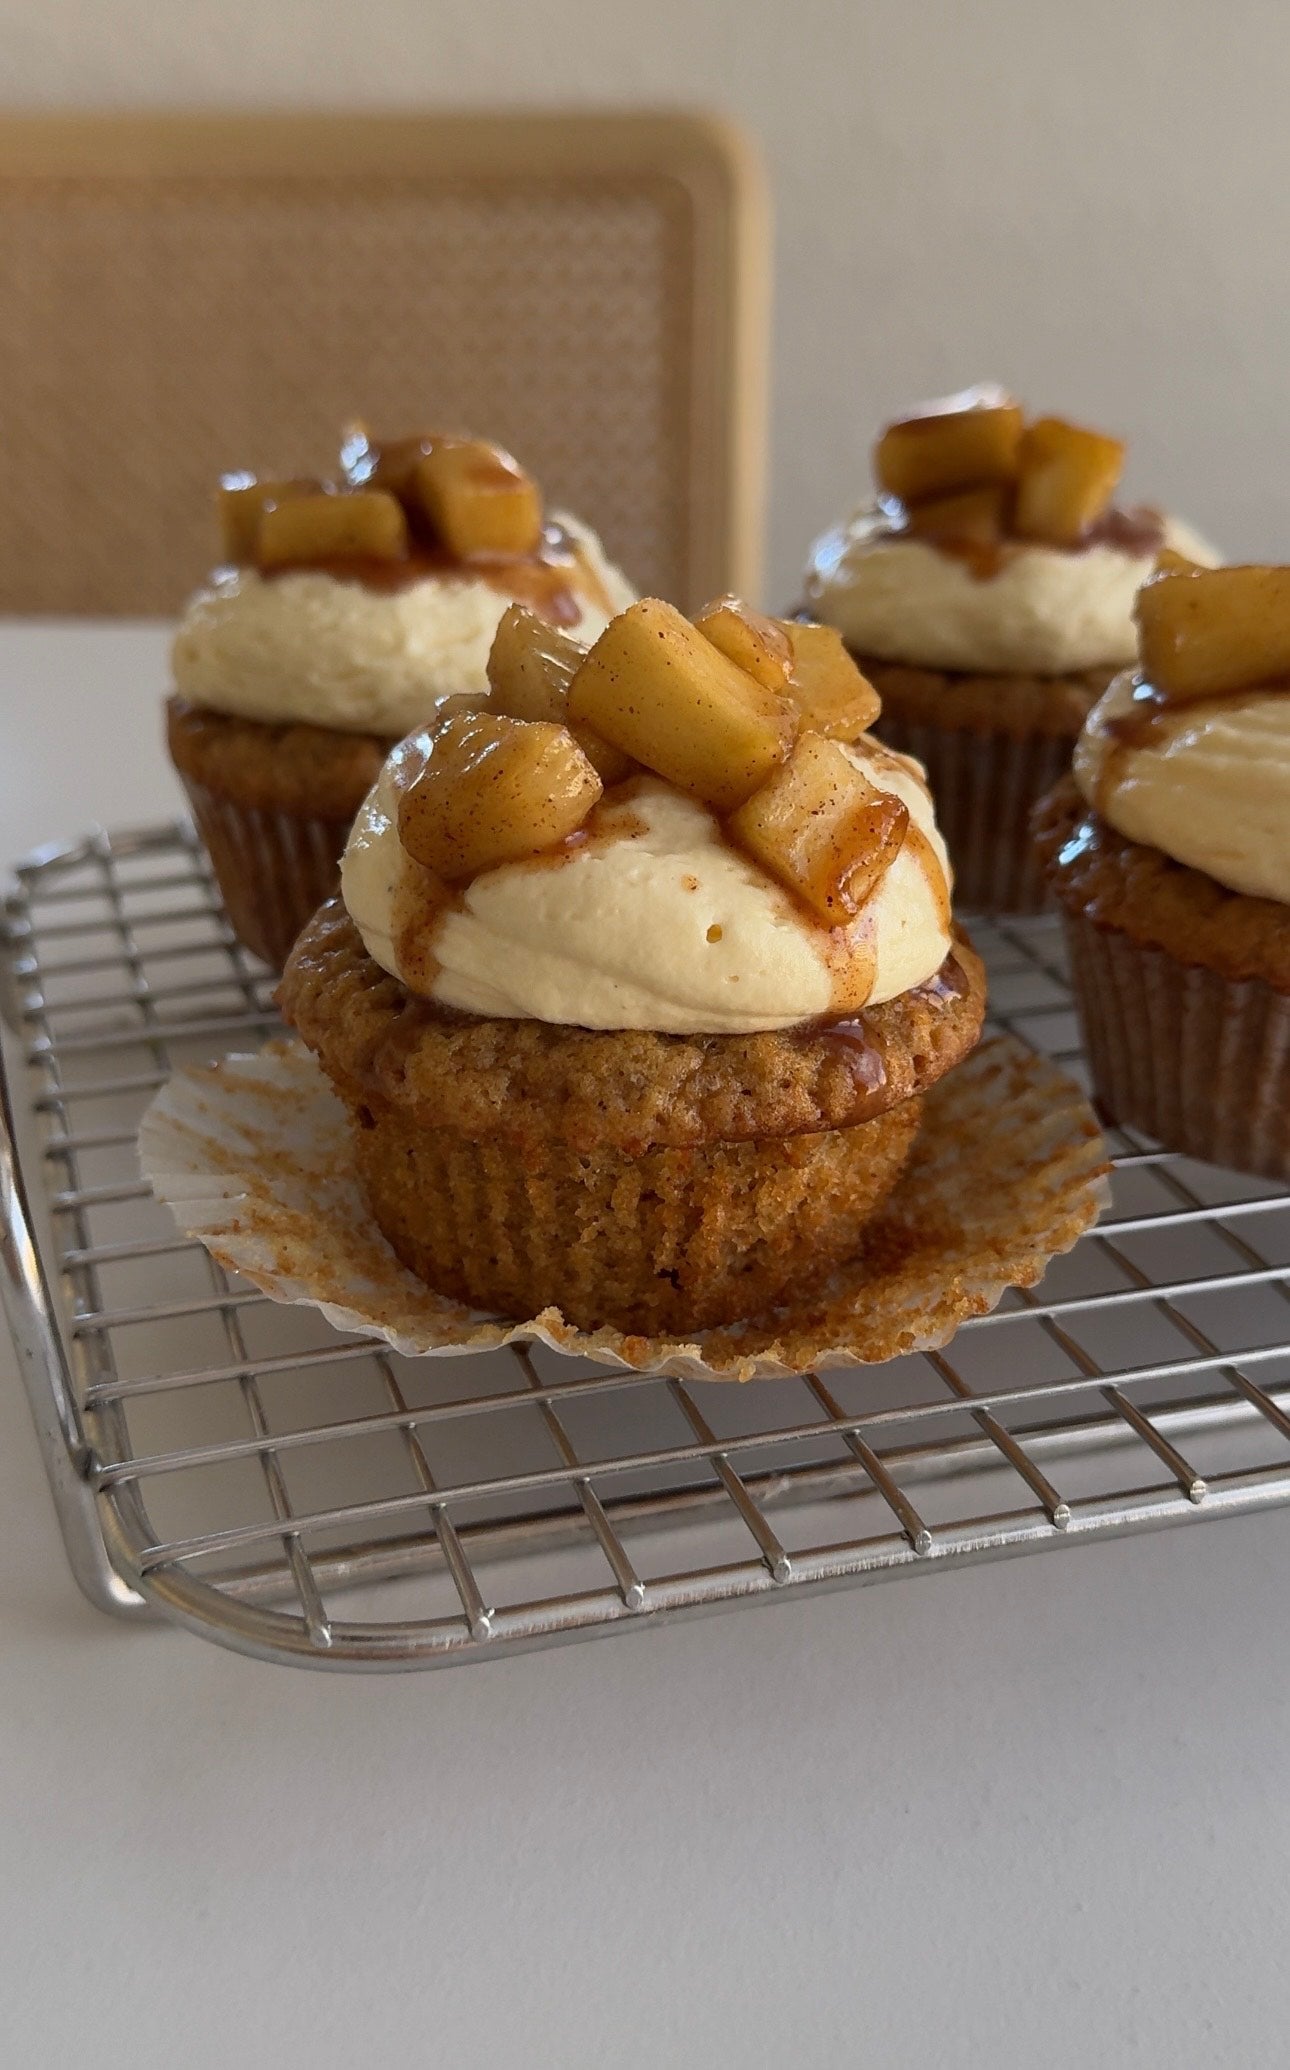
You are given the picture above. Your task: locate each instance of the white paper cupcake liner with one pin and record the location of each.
(252, 1156)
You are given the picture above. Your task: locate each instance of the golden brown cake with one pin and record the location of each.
(342, 612)
(987, 594)
(1168, 851)
(648, 1046)
(660, 1182)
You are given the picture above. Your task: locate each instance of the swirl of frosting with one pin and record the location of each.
(307, 646)
(655, 923)
(1208, 784)
(1046, 609)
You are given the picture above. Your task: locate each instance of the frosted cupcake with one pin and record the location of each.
(988, 592)
(638, 974)
(1169, 854)
(343, 612)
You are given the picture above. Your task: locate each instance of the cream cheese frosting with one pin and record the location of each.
(1045, 610)
(665, 927)
(1208, 784)
(308, 648)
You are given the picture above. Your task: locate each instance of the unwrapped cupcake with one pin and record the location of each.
(987, 592)
(1169, 854)
(639, 972)
(343, 611)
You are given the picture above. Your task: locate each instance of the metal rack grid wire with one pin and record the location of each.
(302, 1495)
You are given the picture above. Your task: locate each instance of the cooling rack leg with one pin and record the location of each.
(74, 1500)
(47, 1381)
(75, 1506)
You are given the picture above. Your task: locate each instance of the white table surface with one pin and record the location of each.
(1036, 1812)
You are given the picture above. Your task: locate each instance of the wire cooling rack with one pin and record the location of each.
(303, 1495)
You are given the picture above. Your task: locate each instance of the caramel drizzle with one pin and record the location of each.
(850, 1038)
(1136, 532)
(422, 902)
(924, 853)
(557, 581)
(1146, 724)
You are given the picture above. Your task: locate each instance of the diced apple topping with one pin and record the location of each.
(753, 642)
(831, 695)
(240, 500)
(530, 668)
(975, 516)
(971, 471)
(656, 688)
(478, 499)
(1066, 477)
(494, 790)
(1214, 631)
(432, 490)
(512, 779)
(366, 525)
(962, 442)
(822, 829)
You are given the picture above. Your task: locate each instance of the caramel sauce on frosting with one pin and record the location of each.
(849, 1036)
(695, 916)
(420, 904)
(1136, 532)
(558, 580)
(1135, 715)
(421, 901)
(1204, 780)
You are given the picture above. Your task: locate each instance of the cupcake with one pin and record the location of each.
(344, 611)
(638, 973)
(1168, 850)
(987, 592)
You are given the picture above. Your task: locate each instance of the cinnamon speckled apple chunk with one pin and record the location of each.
(822, 829)
(367, 525)
(755, 643)
(530, 668)
(806, 663)
(1066, 477)
(967, 440)
(661, 692)
(478, 499)
(531, 665)
(1214, 631)
(494, 790)
(831, 695)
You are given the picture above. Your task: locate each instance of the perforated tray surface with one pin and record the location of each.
(306, 1496)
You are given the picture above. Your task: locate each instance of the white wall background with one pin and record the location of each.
(1086, 198)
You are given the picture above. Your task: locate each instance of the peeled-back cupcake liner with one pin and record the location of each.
(253, 1157)
(984, 786)
(274, 869)
(1198, 1061)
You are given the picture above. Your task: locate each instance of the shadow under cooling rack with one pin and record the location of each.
(303, 1495)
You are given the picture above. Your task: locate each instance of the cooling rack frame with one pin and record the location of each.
(666, 1497)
